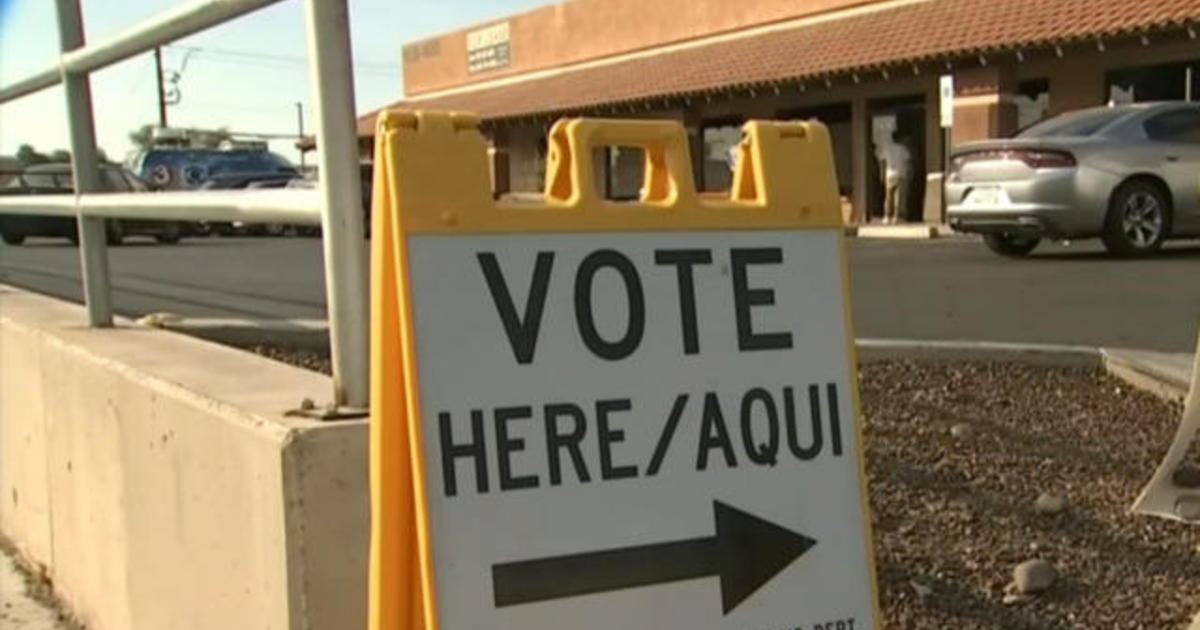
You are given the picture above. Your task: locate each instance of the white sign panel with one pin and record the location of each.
(946, 100)
(640, 431)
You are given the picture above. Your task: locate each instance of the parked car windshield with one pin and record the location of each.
(1076, 124)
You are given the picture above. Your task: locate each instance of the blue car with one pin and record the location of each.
(190, 169)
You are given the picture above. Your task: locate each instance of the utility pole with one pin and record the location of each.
(158, 75)
(300, 129)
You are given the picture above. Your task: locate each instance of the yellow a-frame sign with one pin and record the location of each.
(589, 413)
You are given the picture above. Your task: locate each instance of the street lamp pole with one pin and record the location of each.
(300, 129)
(158, 74)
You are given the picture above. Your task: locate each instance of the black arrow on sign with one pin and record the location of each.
(745, 552)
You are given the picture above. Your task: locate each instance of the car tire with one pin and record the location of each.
(113, 234)
(1010, 245)
(170, 234)
(12, 239)
(1138, 219)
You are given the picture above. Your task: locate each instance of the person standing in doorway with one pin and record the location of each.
(897, 170)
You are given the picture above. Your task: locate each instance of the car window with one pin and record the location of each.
(1180, 125)
(47, 179)
(1074, 124)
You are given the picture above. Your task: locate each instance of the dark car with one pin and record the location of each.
(250, 181)
(367, 173)
(49, 179)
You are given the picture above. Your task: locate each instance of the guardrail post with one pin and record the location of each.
(339, 183)
(85, 164)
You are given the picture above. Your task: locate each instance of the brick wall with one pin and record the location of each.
(568, 32)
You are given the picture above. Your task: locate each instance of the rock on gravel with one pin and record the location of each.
(962, 431)
(1049, 503)
(1033, 576)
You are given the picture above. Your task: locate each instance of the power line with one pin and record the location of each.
(283, 59)
(268, 65)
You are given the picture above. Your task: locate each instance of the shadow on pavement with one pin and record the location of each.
(1175, 252)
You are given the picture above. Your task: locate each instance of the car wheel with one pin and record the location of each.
(12, 239)
(1009, 244)
(1138, 221)
(170, 234)
(113, 234)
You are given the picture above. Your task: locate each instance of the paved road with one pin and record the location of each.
(942, 289)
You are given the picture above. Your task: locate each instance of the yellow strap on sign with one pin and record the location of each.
(432, 177)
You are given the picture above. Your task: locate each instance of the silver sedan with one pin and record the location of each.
(1129, 175)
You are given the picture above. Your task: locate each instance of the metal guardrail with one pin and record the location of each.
(261, 206)
(335, 204)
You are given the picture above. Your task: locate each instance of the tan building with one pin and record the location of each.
(870, 70)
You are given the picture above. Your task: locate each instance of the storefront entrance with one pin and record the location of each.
(896, 121)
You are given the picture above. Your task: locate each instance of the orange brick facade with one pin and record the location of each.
(570, 32)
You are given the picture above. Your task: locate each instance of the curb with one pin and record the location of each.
(1165, 375)
(913, 231)
(870, 350)
(1157, 373)
(1129, 366)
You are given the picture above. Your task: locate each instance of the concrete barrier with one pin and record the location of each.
(155, 480)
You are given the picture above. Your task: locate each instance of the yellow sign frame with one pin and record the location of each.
(432, 177)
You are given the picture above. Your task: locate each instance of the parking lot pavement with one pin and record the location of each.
(955, 289)
(941, 289)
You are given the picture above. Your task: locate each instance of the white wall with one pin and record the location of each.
(157, 481)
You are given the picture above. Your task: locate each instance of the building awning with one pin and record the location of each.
(862, 39)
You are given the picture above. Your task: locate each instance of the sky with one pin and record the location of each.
(245, 75)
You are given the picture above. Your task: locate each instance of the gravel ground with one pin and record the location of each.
(953, 511)
(953, 516)
(315, 361)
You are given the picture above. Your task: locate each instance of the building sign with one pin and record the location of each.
(488, 48)
(630, 416)
(946, 100)
(422, 50)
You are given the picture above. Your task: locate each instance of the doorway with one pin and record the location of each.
(899, 120)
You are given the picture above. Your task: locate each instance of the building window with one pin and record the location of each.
(720, 139)
(1163, 82)
(1033, 101)
(619, 172)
